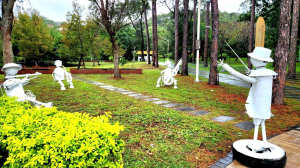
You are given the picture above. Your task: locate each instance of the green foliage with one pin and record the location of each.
(57, 37)
(122, 61)
(46, 137)
(32, 36)
(127, 39)
(76, 35)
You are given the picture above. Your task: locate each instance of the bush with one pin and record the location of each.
(45, 137)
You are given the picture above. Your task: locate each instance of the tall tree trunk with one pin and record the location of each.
(184, 67)
(116, 61)
(115, 48)
(147, 30)
(214, 46)
(79, 63)
(206, 35)
(155, 37)
(6, 28)
(176, 31)
(294, 38)
(282, 50)
(142, 36)
(194, 31)
(250, 47)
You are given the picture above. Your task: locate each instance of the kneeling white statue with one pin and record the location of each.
(14, 87)
(59, 74)
(168, 76)
(255, 153)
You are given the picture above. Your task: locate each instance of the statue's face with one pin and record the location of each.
(11, 71)
(258, 63)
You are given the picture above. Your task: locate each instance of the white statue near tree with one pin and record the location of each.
(258, 106)
(14, 87)
(59, 75)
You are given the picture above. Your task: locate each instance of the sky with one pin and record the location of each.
(57, 9)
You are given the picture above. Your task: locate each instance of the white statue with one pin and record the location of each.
(59, 74)
(14, 87)
(258, 106)
(168, 76)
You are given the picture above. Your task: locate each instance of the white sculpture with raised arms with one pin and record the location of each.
(255, 153)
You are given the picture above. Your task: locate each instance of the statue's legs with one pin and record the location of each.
(257, 122)
(175, 84)
(158, 81)
(62, 85)
(71, 84)
(38, 103)
(69, 79)
(263, 130)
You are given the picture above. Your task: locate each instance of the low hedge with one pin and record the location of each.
(46, 137)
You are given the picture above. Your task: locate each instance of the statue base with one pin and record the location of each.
(253, 153)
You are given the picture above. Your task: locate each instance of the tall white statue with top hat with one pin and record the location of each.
(59, 75)
(255, 153)
(14, 87)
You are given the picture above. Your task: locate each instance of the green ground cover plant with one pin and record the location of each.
(46, 137)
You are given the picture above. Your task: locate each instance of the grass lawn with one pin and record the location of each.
(156, 136)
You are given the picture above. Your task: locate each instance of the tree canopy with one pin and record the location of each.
(32, 36)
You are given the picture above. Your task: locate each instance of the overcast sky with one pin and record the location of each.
(57, 9)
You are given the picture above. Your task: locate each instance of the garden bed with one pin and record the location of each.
(104, 71)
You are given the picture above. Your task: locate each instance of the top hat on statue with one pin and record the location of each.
(262, 54)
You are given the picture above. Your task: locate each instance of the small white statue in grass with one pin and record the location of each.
(59, 74)
(168, 76)
(14, 87)
(258, 106)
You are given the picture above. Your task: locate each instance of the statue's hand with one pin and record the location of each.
(248, 71)
(220, 63)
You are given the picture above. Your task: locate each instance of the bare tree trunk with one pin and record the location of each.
(155, 37)
(282, 50)
(250, 47)
(294, 38)
(142, 36)
(206, 35)
(176, 31)
(116, 61)
(6, 28)
(147, 30)
(214, 46)
(115, 48)
(194, 31)
(80, 59)
(184, 67)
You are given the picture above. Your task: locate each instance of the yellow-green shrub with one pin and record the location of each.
(45, 137)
